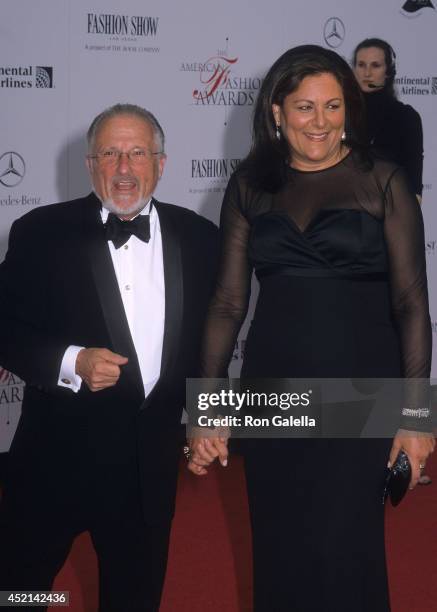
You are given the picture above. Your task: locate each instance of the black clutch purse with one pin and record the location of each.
(397, 480)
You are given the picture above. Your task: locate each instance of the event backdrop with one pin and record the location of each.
(198, 65)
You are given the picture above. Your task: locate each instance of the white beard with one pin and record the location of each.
(121, 211)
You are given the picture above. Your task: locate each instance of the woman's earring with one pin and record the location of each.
(278, 132)
(343, 137)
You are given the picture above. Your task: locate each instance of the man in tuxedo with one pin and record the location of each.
(102, 302)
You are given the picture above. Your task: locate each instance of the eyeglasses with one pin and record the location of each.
(111, 157)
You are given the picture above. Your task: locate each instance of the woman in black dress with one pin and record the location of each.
(394, 128)
(336, 242)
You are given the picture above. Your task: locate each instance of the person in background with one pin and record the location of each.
(394, 128)
(102, 301)
(336, 240)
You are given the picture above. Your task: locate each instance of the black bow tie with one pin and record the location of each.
(120, 231)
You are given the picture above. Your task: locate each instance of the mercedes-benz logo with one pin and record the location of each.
(334, 32)
(12, 169)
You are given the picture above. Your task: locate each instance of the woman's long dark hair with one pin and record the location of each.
(389, 56)
(266, 165)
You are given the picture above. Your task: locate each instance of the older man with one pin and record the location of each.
(102, 301)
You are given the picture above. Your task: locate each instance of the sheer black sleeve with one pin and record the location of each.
(404, 235)
(230, 301)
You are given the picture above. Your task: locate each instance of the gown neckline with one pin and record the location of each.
(343, 159)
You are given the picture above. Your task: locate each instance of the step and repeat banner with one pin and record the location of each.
(198, 65)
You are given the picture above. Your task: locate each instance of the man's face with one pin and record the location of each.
(125, 184)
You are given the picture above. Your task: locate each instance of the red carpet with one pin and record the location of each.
(210, 569)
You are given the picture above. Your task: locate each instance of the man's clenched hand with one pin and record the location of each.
(99, 367)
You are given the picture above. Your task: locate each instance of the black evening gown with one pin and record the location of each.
(339, 254)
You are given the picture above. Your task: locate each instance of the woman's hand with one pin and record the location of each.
(204, 450)
(418, 446)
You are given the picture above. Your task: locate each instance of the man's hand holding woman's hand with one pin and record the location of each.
(205, 449)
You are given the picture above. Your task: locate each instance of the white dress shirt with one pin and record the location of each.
(139, 269)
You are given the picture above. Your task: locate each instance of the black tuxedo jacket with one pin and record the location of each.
(57, 288)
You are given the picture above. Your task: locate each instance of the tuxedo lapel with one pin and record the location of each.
(174, 290)
(105, 281)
